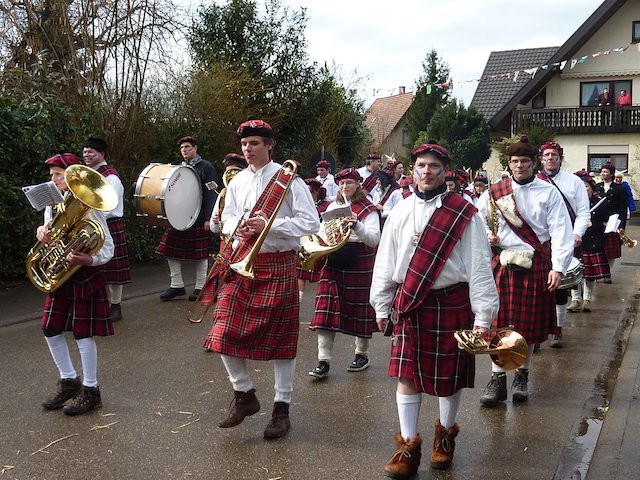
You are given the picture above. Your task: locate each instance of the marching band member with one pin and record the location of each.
(574, 196)
(194, 243)
(258, 318)
(593, 257)
(433, 276)
(371, 166)
(81, 306)
(323, 168)
(117, 271)
(535, 236)
(384, 195)
(617, 199)
(343, 291)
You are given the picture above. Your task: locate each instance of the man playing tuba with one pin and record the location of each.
(79, 305)
(258, 318)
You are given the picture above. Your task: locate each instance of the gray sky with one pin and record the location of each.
(385, 42)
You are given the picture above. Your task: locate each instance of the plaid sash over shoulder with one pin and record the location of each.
(386, 196)
(438, 239)
(502, 194)
(547, 178)
(369, 182)
(363, 208)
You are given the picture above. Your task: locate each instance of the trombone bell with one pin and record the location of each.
(508, 349)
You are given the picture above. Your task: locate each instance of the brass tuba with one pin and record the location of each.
(314, 249)
(508, 349)
(70, 231)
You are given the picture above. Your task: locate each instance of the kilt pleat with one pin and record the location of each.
(596, 265)
(612, 246)
(118, 269)
(258, 318)
(525, 301)
(192, 244)
(342, 297)
(80, 305)
(426, 350)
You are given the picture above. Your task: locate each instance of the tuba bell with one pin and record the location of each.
(70, 231)
(508, 349)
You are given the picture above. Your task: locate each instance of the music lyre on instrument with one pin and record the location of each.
(70, 230)
(314, 249)
(508, 349)
(168, 196)
(243, 256)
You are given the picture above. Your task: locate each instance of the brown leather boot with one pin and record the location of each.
(406, 459)
(87, 399)
(444, 444)
(280, 423)
(242, 405)
(67, 388)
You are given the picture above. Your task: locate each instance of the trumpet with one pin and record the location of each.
(508, 349)
(627, 240)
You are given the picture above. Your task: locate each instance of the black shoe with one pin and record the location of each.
(361, 362)
(194, 295)
(86, 400)
(519, 389)
(116, 312)
(495, 391)
(172, 293)
(280, 423)
(321, 370)
(556, 341)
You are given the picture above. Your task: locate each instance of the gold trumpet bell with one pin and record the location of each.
(508, 349)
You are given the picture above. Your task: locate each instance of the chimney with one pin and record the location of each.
(400, 90)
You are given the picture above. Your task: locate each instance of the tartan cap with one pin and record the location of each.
(63, 160)
(348, 173)
(258, 128)
(440, 152)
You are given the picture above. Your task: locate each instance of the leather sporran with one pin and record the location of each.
(514, 256)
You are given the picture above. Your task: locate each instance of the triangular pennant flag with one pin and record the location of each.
(563, 64)
(573, 62)
(429, 88)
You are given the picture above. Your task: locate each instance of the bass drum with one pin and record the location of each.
(168, 196)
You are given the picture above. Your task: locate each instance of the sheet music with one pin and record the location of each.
(41, 195)
(337, 212)
(612, 224)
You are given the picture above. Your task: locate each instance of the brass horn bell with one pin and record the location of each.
(508, 349)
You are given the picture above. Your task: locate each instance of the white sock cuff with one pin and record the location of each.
(403, 399)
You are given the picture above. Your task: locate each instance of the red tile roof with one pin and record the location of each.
(385, 114)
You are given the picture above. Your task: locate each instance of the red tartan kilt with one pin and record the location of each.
(427, 352)
(258, 319)
(118, 269)
(342, 297)
(210, 289)
(525, 301)
(192, 244)
(306, 275)
(596, 266)
(80, 306)
(612, 246)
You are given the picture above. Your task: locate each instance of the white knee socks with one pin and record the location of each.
(561, 315)
(449, 409)
(325, 344)
(362, 346)
(202, 268)
(175, 271)
(89, 358)
(114, 292)
(283, 371)
(408, 413)
(238, 373)
(61, 357)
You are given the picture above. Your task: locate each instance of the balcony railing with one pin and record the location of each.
(579, 120)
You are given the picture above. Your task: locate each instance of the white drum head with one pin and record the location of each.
(182, 197)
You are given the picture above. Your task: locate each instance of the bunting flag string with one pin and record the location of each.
(515, 75)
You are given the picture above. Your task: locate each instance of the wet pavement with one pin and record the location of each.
(163, 396)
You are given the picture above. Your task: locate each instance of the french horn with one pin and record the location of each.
(508, 349)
